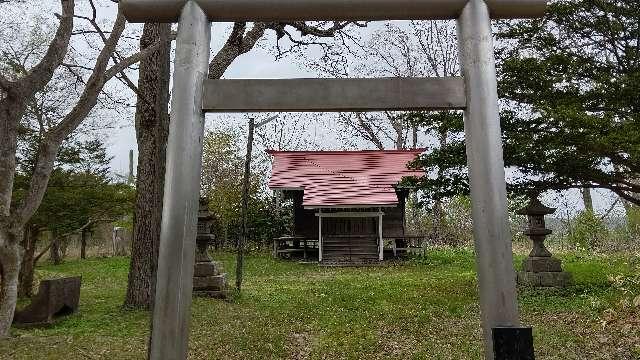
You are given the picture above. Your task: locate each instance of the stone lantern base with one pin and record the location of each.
(208, 278)
(209, 281)
(543, 272)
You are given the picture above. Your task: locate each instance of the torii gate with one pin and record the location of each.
(193, 94)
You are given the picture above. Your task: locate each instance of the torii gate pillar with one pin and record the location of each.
(174, 280)
(491, 230)
(476, 94)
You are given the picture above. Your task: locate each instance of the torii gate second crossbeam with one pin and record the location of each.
(192, 95)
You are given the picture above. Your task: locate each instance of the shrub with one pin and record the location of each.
(588, 231)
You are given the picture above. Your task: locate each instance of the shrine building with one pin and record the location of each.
(346, 204)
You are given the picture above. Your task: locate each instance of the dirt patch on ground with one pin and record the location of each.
(395, 345)
(299, 346)
(614, 335)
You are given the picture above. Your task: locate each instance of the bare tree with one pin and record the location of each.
(13, 102)
(16, 91)
(289, 132)
(417, 49)
(438, 47)
(298, 34)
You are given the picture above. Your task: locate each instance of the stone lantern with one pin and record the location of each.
(540, 268)
(208, 279)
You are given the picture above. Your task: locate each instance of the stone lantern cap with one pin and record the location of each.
(535, 207)
(536, 211)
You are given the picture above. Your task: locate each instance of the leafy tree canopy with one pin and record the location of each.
(80, 189)
(222, 174)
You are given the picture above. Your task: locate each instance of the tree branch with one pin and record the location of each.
(613, 206)
(52, 141)
(41, 74)
(5, 84)
(240, 41)
(237, 44)
(133, 59)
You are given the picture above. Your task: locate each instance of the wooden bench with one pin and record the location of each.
(57, 297)
(281, 245)
(408, 248)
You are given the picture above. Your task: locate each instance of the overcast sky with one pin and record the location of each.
(258, 63)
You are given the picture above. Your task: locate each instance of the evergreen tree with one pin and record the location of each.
(570, 115)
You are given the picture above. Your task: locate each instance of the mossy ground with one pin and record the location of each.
(425, 308)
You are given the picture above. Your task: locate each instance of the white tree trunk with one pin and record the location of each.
(587, 199)
(10, 258)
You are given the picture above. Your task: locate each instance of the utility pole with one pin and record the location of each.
(245, 206)
(130, 179)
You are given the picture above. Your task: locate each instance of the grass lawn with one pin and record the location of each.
(421, 309)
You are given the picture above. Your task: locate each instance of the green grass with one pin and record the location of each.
(425, 308)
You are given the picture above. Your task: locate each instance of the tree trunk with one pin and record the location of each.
(64, 246)
(437, 223)
(225, 235)
(10, 257)
(438, 209)
(84, 235)
(415, 216)
(11, 108)
(54, 251)
(152, 130)
(625, 203)
(414, 133)
(587, 199)
(398, 126)
(25, 281)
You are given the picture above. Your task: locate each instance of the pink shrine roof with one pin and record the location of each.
(343, 178)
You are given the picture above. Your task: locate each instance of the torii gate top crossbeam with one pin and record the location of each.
(331, 10)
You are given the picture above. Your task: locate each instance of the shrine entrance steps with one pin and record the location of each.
(350, 250)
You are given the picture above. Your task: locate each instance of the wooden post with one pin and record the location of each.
(245, 206)
(381, 255)
(320, 235)
(305, 249)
